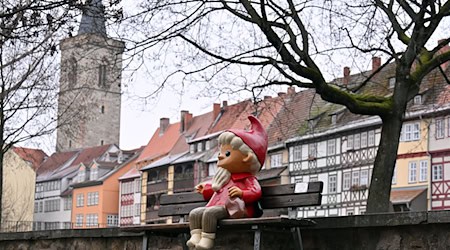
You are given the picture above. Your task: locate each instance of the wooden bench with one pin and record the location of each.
(289, 196)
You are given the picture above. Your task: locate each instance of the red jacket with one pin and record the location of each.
(251, 192)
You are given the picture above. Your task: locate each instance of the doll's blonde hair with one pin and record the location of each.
(238, 144)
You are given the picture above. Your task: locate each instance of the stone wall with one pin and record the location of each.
(420, 230)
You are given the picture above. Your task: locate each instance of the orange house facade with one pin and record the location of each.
(95, 203)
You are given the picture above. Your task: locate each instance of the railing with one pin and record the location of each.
(25, 226)
(156, 186)
(183, 182)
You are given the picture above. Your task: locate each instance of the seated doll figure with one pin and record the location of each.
(234, 189)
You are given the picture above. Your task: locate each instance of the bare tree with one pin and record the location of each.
(29, 34)
(256, 44)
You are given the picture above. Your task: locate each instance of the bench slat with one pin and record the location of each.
(180, 198)
(179, 209)
(313, 187)
(295, 200)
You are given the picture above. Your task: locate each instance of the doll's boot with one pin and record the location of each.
(207, 241)
(195, 238)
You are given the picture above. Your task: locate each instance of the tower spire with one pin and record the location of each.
(93, 18)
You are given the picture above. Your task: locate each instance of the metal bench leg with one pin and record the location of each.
(184, 239)
(145, 241)
(257, 238)
(297, 237)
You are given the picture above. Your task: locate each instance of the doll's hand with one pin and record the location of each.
(199, 188)
(235, 192)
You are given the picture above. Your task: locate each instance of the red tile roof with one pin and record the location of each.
(33, 156)
(235, 116)
(405, 196)
(88, 155)
(198, 127)
(291, 116)
(55, 161)
(131, 174)
(160, 145)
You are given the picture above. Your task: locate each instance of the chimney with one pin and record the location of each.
(376, 63)
(183, 120)
(346, 79)
(163, 125)
(187, 121)
(281, 94)
(224, 104)
(444, 49)
(216, 110)
(291, 90)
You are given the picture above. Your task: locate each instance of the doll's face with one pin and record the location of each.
(233, 160)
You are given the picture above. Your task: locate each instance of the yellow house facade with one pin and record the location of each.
(412, 172)
(19, 181)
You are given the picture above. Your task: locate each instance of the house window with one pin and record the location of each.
(192, 148)
(349, 142)
(410, 132)
(394, 176)
(371, 138)
(423, 171)
(112, 220)
(331, 147)
(81, 175)
(297, 153)
(346, 183)
(412, 172)
(94, 173)
(312, 150)
(102, 76)
(79, 220)
(364, 180)
(102, 109)
(52, 205)
(68, 203)
(440, 129)
(332, 185)
(92, 220)
(80, 200)
(137, 209)
(437, 172)
(391, 82)
(448, 127)
(199, 147)
(357, 142)
(276, 160)
(92, 198)
(333, 119)
(417, 100)
(212, 168)
(101, 143)
(70, 143)
(355, 178)
(137, 185)
(364, 140)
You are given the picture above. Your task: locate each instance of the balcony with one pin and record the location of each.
(157, 186)
(183, 182)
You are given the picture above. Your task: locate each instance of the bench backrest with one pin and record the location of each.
(273, 197)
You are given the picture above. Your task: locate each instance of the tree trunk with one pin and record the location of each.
(383, 169)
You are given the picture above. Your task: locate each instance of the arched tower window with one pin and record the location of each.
(72, 72)
(102, 73)
(102, 109)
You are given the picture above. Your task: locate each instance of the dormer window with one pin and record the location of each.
(333, 119)
(199, 147)
(391, 82)
(81, 175)
(94, 173)
(417, 100)
(192, 148)
(208, 145)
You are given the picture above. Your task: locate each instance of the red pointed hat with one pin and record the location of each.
(256, 138)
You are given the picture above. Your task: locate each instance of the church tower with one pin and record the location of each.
(89, 99)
